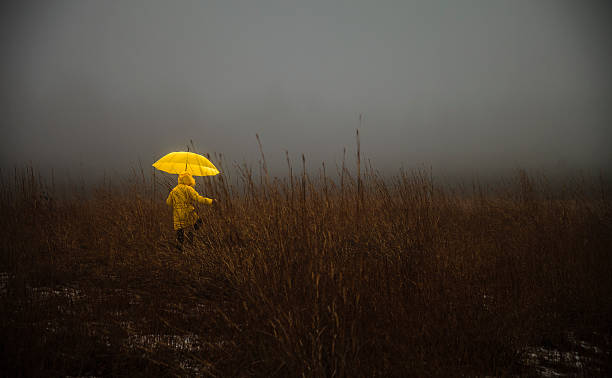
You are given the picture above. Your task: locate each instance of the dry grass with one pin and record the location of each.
(356, 276)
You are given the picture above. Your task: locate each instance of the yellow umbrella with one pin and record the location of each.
(177, 162)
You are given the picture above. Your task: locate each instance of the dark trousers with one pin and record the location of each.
(180, 233)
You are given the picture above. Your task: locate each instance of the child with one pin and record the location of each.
(182, 198)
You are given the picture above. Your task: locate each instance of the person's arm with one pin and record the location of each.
(198, 198)
(169, 199)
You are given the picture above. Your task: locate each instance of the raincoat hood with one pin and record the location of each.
(186, 178)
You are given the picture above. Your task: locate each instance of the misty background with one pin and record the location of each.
(466, 87)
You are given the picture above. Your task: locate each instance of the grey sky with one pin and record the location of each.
(466, 86)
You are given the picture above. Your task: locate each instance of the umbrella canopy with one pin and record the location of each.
(177, 162)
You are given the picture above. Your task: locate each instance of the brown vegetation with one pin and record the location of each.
(357, 276)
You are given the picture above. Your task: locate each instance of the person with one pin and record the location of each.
(182, 198)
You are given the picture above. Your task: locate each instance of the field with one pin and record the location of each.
(350, 274)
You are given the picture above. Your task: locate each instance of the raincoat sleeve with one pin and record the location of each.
(169, 199)
(198, 198)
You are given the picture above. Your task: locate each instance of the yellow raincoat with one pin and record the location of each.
(182, 198)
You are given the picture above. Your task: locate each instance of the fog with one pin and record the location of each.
(464, 87)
